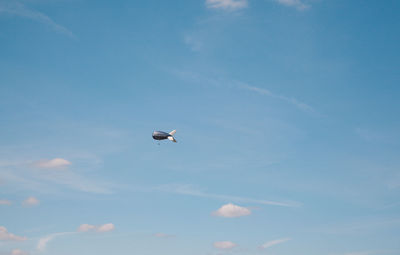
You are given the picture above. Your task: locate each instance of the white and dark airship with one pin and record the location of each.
(160, 135)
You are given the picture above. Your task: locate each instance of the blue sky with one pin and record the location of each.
(286, 114)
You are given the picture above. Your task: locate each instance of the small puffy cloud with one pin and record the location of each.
(274, 242)
(30, 201)
(232, 211)
(53, 163)
(86, 228)
(5, 202)
(225, 245)
(6, 236)
(298, 4)
(106, 228)
(18, 252)
(226, 4)
(102, 228)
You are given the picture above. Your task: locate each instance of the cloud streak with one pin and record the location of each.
(19, 9)
(273, 243)
(26, 175)
(190, 191)
(225, 245)
(232, 84)
(226, 4)
(44, 241)
(42, 244)
(367, 225)
(6, 236)
(101, 229)
(53, 163)
(298, 4)
(300, 105)
(163, 235)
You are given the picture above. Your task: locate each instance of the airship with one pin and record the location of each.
(161, 135)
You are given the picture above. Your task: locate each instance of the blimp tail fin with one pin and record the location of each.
(171, 138)
(172, 132)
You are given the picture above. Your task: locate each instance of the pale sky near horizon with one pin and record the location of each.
(287, 118)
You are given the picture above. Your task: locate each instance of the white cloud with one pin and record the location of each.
(102, 228)
(19, 9)
(225, 245)
(298, 4)
(18, 252)
(42, 244)
(5, 202)
(86, 227)
(106, 228)
(6, 236)
(226, 4)
(232, 211)
(30, 201)
(274, 242)
(53, 163)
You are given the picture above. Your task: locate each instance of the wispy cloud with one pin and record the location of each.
(26, 175)
(42, 244)
(101, 229)
(233, 84)
(44, 241)
(19, 252)
(19, 9)
(273, 242)
(163, 235)
(6, 236)
(53, 163)
(374, 136)
(30, 201)
(226, 4)
(5, 202)
(300, 105)
(298, 4)
(225, 245)
(231, 211)
(191, 191)
(367, 225)
(194, 43)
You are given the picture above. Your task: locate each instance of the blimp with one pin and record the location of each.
(161, 135)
